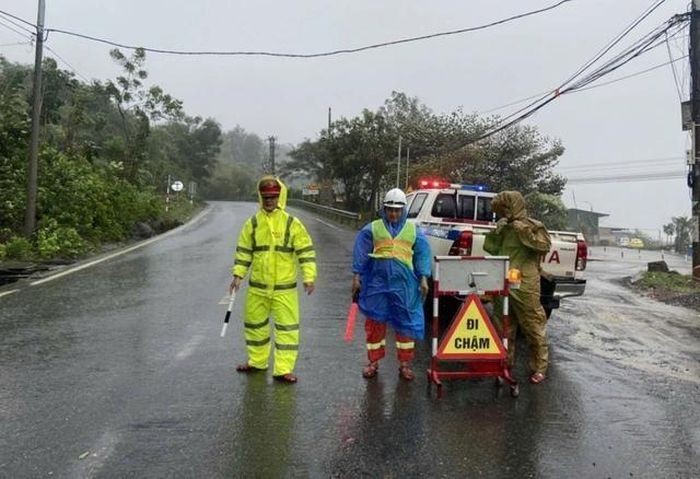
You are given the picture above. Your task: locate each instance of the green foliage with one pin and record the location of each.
(231, 182)
(549, 209)
(107, 149)
(59, 241)
(98, 205)
(14, 134)
(361, 152)
(18, 248)
(682, 229)
(672, 281)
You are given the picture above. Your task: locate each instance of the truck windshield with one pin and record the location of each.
(416, 205)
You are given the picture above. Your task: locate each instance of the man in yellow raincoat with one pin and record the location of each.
(270, 245)
(524, 240)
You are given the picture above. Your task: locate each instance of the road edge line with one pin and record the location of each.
(129, 249)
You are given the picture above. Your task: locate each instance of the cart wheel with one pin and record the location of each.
(498, 382)
(515, 390)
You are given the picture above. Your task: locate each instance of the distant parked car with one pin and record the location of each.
(636, 243)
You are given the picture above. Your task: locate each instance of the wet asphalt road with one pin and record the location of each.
(119, 371)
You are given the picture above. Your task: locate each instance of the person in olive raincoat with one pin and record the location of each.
(524, 240)
(270, 245)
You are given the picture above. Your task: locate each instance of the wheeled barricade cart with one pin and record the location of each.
(471, 339)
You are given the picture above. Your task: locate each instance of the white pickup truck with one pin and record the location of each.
(455, 219)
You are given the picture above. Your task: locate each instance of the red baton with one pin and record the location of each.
(352, 316)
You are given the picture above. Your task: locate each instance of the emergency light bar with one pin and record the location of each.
(429, 183)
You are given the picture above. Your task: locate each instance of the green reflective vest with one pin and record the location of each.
(400, 248)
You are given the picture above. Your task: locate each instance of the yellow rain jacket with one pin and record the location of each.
(269, 248)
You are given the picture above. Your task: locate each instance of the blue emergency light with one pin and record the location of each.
(474, 187)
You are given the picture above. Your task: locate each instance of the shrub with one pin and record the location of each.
(59, 241)
(18, 248)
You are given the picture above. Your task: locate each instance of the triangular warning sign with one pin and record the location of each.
(471, 334)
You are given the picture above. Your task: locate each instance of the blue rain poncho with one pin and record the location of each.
(390, 291)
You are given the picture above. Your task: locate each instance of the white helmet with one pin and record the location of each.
(395, 198)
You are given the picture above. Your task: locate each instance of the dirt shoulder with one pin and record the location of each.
(670, 288)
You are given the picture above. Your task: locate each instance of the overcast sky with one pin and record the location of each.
(632, 120)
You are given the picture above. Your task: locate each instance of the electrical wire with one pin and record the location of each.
(65, 62)
(15, 44)
(626, 77)
(614, 164)
(26, 22)
(632, 75)
(673, 69)
(552, 94)
(667, 175)
(8, 18)
(304, 55)
(3, 24)
(641, 46)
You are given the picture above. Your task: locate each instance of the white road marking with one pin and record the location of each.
(7, 293)
(118, 253)
(327, 224)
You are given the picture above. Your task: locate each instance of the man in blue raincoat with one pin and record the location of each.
(391, 266)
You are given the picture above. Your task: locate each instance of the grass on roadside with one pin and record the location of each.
(669, 282)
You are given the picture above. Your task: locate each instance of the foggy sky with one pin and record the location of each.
(636, 119)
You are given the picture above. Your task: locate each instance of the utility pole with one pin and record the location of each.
(694, 176)
(33, 164)
(272, 139)
(408, 158)
(398, 162)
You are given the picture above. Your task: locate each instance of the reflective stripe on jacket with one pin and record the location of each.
(269, 247)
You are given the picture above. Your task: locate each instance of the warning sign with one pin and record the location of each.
(471, 335)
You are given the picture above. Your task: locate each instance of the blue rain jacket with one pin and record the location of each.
(390, 291)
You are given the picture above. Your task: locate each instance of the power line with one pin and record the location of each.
(633, 162)
(3, 24)
(15, 44)
(641, 46)
(18, 25)
(632, 75)
(305, 55)
(665, 175)
(673, 69)
(66, 63)
(549, 96)
(26, 22)
(656, 67)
